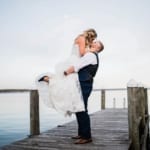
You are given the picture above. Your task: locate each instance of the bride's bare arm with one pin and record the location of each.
(80, 40)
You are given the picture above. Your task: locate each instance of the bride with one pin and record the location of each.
(62, 92)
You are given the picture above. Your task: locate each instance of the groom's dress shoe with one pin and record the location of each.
(83, 141)
(76, 137)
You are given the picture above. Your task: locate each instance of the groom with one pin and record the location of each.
(86, 68)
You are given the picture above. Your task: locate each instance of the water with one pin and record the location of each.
(14, 113)
(14, 117)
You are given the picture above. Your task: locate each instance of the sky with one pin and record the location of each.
(35, 35)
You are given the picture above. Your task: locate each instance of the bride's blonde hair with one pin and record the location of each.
(90, 35)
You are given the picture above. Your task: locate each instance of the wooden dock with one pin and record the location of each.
(109, 132)
(112, 129)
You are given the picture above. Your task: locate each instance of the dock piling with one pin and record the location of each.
(34, 113)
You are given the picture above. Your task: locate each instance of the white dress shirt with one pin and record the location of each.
(87, 59)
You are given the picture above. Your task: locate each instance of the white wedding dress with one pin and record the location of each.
(62, 93)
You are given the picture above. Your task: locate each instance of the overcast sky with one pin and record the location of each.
(37, 34)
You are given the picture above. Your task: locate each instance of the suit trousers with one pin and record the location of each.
(83, 119)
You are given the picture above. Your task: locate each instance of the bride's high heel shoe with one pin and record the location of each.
(44, 78)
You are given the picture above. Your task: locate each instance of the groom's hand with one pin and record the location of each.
(69, 70)
(65, 73)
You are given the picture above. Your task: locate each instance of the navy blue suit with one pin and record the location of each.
(86, 75)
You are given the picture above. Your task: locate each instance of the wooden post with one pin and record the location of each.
(102, 99)
(133, 116)
(146, 119)
(34, 113)
(146, 101)
(129, 96)
(141, 97)
(114, 103)
(124, 102)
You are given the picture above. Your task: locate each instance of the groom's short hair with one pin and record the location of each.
(101, 46)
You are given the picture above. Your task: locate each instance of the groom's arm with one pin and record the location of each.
(87, 59)
(69, 70)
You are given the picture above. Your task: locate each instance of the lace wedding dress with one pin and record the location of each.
(62, 93)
